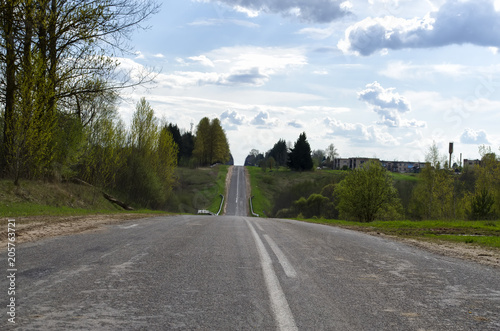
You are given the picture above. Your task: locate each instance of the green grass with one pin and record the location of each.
(20, 209)
(481, 233)
(197, 189)
(266, 186)
(38, 198)
(218, 188)
(260, 183)
(405, 177)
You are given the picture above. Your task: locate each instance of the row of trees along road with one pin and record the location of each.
(59, 91)
(281, 155)
(58, 69)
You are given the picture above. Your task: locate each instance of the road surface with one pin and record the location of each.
(243, 273)
(237, 201)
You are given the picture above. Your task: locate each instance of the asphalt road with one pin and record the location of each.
(242, 273)
(237, 204)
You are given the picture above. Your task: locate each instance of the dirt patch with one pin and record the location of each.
(482, 255)
(490, 257)
(34, 228)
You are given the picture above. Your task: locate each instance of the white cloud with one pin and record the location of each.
(318, 33)
(359, 133)
(219, 22)
(203, 60)
(139, 55)
(404, 70)
(159, 56)
(264, 120)
(235, 66)
(231, 120)
(456, 22)
(389, 105)
(470, 136)
(321, 11)
(248, 12)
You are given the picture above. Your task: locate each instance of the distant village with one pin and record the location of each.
(394, 166)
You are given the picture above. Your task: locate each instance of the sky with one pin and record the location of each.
(377, 78)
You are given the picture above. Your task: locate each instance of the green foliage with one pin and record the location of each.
(151, 160)
(434, 196)
(211, 145)
(30, 133)
(300, 156)
(481, 206)
(312, 206)
(366, 193)
(280, 153)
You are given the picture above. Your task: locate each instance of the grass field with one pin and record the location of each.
(482, 233)
(198, 189)
(41, 198)
(267, 185)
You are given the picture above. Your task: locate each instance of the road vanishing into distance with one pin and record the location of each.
(236, 272)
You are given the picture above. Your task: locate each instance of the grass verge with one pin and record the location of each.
(219, 188)
(480, 233)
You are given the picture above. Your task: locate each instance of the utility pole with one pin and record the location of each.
(451, 152)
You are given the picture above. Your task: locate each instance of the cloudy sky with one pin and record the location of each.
(378, 78)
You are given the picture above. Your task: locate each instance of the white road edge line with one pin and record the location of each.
(287, 266)
(130, 226)
(281, 310)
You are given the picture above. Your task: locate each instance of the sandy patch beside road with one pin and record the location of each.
(38, 227)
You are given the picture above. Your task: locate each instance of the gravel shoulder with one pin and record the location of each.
(34, 228)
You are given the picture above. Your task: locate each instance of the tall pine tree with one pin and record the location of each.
(300, 156)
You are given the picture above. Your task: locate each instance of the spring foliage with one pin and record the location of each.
(367, 193)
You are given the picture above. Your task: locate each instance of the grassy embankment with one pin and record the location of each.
(195, 188)
(198, 189)
(266, 186)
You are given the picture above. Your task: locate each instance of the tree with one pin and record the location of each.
(367, 193)
(211, 144)
(432, 156)
(152, 159)
(280, 153)
(331, 153)
(300, 156)
(434, 196)
(61, 50)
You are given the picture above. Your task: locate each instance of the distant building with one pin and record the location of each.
(351, 163)
(340, 163)
(394, 166)
(403, 166)
(471, 163)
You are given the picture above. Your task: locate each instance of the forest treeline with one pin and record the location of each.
(371, 193)
(59, 90)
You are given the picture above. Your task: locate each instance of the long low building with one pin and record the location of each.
(394, 166)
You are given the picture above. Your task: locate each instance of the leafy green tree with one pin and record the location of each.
(481, 206)
(434, 195)
(211, 145)
(280, 153)
(36, 40)
(367, 193)
(151, 162)
(300, 156)
(331, 153)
